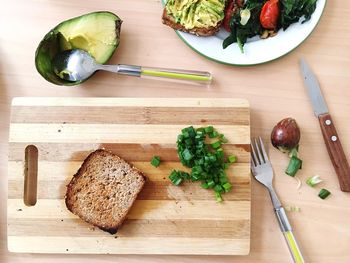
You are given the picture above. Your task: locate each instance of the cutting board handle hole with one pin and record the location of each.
(30, 175)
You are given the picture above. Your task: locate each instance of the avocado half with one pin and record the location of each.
(97, 33)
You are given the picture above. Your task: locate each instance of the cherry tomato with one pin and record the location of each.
(229, 11)
(269, 14)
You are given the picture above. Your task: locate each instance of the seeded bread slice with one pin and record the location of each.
(103, 190)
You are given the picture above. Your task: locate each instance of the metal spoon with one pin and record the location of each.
(78, 65)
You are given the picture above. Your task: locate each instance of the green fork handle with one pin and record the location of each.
(288, 235)
(293, 247)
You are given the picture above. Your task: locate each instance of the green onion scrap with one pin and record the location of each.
(292, 208)
(206, 160)
(324, 193)
(155, 161)
(293, 166)
(176, 177)
(232, 159)
(314, 180)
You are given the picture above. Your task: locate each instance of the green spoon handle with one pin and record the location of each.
(178, 75)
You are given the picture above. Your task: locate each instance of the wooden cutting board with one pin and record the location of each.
(165, 219)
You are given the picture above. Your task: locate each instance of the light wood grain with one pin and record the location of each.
(124, 245)
(54, 176)
(161, 210)
(113, 133)
(62, 151)
(188, 103)
(275, 90)
(172, 210)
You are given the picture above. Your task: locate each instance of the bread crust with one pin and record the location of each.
(70, 201)
(199, 31)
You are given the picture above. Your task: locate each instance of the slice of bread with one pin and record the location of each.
(199, 31)
(103, 190)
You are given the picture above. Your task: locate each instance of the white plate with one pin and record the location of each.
(256, 51)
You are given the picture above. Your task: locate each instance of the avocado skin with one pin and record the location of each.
(50, 46)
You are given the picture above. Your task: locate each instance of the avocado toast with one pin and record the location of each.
(199, 17)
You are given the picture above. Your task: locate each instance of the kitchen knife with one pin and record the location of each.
(330, 136)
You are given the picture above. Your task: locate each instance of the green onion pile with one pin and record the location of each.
(206, 160)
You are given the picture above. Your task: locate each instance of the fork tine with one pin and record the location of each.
(266, 158)
(252, 162)
(258, 151)
(254, 156)
(252, 167)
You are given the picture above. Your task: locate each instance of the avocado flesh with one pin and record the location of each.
(196, 13)
(97, 33)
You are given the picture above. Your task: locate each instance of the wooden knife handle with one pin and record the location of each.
(335, 151)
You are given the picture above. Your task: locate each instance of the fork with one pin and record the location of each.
(262, 170)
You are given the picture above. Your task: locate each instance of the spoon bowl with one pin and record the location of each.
(74, 65)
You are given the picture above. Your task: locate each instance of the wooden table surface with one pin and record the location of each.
(275, 90)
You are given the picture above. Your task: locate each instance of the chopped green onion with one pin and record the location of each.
(218, 197)
(201, 129)
(211, 183)
(185, 175)
(314, 180)
(187, 155)
(207, 161)
(177, 181)
(324, 193)
(216, 144)
(213, 134)
(209, 129)
(175, 177)
(155, 161)
(232, 159)
(198, 137)
(227, 187)
(222, 138)
(195, 177)
(212, 158)
(174, 174)
(292, 208)
(185, 134)
(218, 188)
(294, 151)
(219, 153)
(293, 166)
(191, 131)
(205, 185)
(223, 179)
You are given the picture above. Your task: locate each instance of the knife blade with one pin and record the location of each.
(330, 135)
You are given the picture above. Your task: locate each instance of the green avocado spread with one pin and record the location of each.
(196, 13)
